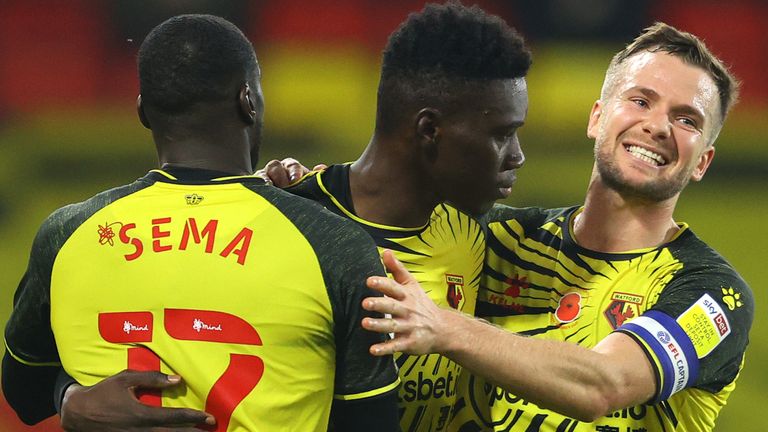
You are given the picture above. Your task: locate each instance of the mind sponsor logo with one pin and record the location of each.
(198, 325)
(129, 327)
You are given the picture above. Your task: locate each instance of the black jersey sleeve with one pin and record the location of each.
(31, 361)
(715, 308)
(697, 330)
(28, 334)
(347, 256)
(358, 373)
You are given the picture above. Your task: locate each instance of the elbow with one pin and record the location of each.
(27, 414)
(595, 407)
(604, 399)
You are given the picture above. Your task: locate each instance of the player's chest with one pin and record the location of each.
(579, 300)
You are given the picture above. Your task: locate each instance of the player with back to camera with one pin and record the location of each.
(610, 316)
(192, 270)
(451, 98)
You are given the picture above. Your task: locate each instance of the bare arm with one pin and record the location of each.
(575, 381)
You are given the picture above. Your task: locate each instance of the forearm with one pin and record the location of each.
(575, 381)
(29, 389)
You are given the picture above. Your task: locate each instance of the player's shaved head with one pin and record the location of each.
(440, 53)
(191, 59)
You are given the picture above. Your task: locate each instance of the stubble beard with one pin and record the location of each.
(656, 190)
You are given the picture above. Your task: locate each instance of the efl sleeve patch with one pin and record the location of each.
(673, 350)
(705, 324)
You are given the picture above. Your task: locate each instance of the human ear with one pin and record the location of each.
(142, 115)
(594, 119)
(247, 107)
(428, 131)
(705, 159)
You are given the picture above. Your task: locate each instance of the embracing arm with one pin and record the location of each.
(29, 389)
(582, 383)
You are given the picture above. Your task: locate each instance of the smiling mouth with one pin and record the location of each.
(646, 155)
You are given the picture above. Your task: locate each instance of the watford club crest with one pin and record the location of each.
(622, 308)
(455, 295)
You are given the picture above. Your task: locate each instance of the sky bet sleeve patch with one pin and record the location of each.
(706, 325)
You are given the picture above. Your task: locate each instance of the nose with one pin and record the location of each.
(657, 125)
(514, 157)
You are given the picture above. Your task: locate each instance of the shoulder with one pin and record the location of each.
(704, 264)
(60, 224)
(317, 223)
(308, 186)
(526, 216)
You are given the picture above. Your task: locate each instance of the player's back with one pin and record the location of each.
(249, 293)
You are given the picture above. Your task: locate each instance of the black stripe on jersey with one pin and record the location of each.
(448, 220)
(658, 416)
(477, 237)
(417, 418)
(502, 278)
(577, 332)
(666, 408)
(514, 421)
(534, 332)
(402, 359)
(502, 251)
(564, 424)
(536, 423)
(389, 244)
(421, 239)
(484, 309)
(437, 364)
(413, 364)
(479, 274)
(470, 426)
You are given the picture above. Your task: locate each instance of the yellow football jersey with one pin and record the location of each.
(681, 301)
(446, 257)
(251, 294)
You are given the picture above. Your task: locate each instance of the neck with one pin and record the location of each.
(388, 186)
(227, 150)
(613, 223)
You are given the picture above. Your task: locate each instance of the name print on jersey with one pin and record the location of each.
(162, 229)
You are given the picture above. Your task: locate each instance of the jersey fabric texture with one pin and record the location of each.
(681, 301)
(446, 257)
(251, 294)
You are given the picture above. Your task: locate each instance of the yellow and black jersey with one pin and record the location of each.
(251, 294)
(446, 257)
(682, 302)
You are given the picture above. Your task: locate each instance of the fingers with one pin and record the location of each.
(386, 286)
(158, 416)
(147, 379)
(398, 270)
(319, 167)
(384, 325)
(294, 169)
(276, 173)
(385, 348)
